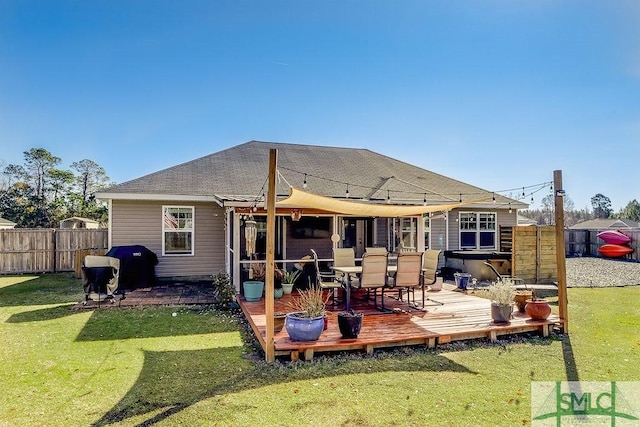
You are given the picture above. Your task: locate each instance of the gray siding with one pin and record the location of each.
(437, 234)
(140, 223)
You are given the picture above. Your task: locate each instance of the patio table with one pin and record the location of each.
(348, 272)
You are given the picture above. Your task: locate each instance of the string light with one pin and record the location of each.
(532, 199)
(494, 197)
(510, 211)
(522, 191)
(347, 193)
(424, 200)
(388, 196)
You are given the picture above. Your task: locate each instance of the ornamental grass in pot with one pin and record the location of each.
(306, 322)
(501, 294)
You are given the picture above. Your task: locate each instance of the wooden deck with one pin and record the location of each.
(460, 317)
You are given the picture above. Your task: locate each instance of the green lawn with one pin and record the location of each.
(67, 367)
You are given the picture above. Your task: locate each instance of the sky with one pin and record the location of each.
(495, 93)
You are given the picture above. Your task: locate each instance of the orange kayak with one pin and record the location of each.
(614, 251)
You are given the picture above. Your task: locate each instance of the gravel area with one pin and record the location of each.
(601, 273)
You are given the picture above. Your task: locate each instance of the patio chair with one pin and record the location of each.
(374, 275)
(430, 272)
(516, 280)
(408, 275)
(326, 280)
(344, 257)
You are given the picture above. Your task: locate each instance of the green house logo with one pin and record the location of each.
(585, 403)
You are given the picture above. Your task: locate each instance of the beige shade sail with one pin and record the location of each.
(302, 199)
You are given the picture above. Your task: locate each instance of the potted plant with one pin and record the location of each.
(538, 308)
(288, 280)
(254, 287)
(501, 294)
(306, 323)
(350, 323)
(278, 321)
(521, 298)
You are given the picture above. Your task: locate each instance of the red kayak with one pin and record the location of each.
(614, 237)
(614, 251)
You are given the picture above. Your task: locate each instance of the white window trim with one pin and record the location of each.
(477, 231)
(192, 230)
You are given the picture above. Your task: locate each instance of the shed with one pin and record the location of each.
(78, 222)
(5, 224)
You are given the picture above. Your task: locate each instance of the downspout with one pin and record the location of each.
(110, 224)
(236, 251)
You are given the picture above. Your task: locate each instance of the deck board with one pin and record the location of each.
(461, 317)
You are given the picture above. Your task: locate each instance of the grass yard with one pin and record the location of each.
(144, 366)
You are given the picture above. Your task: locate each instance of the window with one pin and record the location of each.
(405, 232)
(477, 230)
(177, 230)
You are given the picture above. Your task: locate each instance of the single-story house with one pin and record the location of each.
(78, 222)
(524, 221)
(194, 215)
(5, 224)
(606, 224)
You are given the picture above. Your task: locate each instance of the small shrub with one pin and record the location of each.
(223, 289)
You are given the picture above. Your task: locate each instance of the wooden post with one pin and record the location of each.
(271, 237)
(560, 249)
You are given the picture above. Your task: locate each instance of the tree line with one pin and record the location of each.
(600, 204)
(38, 194)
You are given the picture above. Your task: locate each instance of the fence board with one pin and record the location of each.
(40, 250)
(534, 253)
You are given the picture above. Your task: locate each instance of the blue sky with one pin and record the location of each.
(496, 93)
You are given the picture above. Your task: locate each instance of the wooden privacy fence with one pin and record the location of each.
(587, 242)
(47, 250)
(534, 254)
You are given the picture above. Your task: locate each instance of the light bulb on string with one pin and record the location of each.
(523, 195)
(510, 210)
(424, 200)
(494, 197)
(460, 197)
(388, 196)
(304, 183)
(347, 192)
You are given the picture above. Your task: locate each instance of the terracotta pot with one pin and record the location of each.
(278, 322)
(538, 309)
(521, 299)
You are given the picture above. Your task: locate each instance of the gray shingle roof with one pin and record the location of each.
(605, 223)
(240, 173)
(6, 222)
